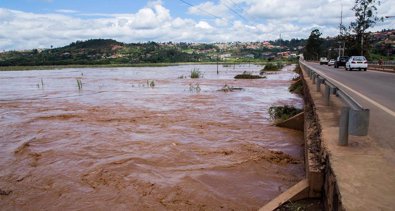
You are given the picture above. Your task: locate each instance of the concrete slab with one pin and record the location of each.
(296, 192)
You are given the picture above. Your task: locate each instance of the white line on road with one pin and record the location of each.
(389, 111)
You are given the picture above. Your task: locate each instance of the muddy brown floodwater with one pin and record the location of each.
(117, 144)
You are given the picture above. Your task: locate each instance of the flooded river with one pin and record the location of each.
(115, 143)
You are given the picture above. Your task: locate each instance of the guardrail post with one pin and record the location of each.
(318, 84)
(358, 122)
(343, 126)
(327, 94)
(314, 77)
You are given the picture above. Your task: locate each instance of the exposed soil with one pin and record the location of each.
(119, 145)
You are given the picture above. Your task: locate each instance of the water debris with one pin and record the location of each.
(227, 88)
(5, 193)
(194, 87)
(151, 84)
(79, 84)
(24, 146)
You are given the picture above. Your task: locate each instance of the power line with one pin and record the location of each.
(237, 5)
(235, 12)
(187, 3)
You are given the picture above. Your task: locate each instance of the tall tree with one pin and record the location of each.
(366, 17)
(313, 46)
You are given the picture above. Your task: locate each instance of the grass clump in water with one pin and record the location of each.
(281, 113)
(247, 75)
(195, 73)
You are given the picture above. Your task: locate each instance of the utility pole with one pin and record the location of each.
(341, 43)
(217, 63)
(363, 31)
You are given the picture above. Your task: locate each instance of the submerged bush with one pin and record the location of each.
(281, 113)
(247, 75)
(270, 67)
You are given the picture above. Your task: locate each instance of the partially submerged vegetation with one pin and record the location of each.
(151, 83)
(194, 87)
(195, 73)
(297, 84)
(248, 75)
(273, 66)
(227, 88)
(79, 84)
(296, 87)
(281, 113)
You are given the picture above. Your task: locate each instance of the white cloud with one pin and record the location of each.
(203, 25)
(209, 9)
(267, 19)
(66, 11)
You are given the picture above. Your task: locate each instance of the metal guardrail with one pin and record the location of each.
(354, 119)
(389, 63)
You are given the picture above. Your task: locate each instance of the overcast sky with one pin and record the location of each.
(27, 24)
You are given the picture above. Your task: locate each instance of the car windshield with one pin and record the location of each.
(359, 58)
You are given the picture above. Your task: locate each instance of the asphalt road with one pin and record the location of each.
(373, 90)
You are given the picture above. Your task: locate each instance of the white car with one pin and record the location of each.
(331, 62)
(357, 62)
(323, 60)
